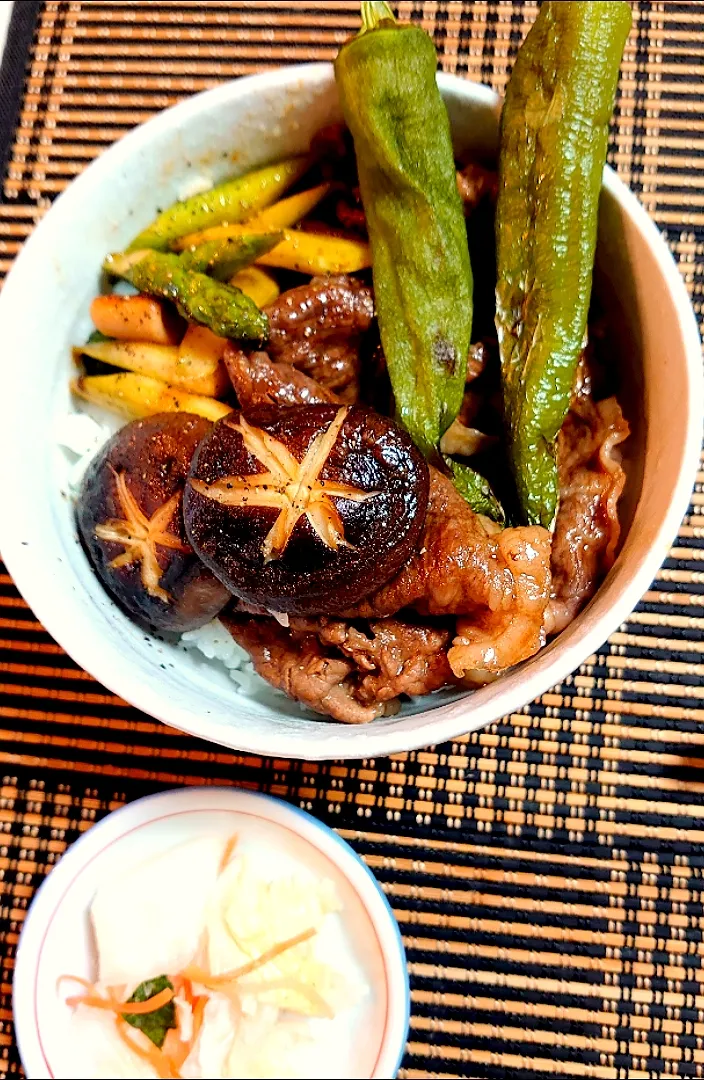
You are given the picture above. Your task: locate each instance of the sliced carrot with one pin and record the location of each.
(286, 212)
(259, 284)
(306, 252)
(160, 362)
(175, 1049)
(180, 984)
(198, 1011)
(136, 396)
(200, 353)
(136, 318)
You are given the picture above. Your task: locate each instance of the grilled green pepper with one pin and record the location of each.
(222, 259)
(476, 490)
(225, 310)
(554, 133)
(422, 275)
(232, 201)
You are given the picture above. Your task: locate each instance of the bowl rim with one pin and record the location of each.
(145, 811)
(447, 721)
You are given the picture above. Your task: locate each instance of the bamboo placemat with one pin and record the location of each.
(546, 872)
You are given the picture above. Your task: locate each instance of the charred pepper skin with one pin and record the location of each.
(422, 274)
(554, 134)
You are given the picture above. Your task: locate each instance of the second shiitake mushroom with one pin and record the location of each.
(130, 521)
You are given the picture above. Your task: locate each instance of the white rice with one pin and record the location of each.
(215, 643)
(82, 437)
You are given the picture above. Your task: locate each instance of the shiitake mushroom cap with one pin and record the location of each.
(342, 550)
(134, 489)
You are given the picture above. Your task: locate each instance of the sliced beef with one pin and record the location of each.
(318, 328)
(474, 183)
(592, 479)
(497, 582)
(258, 381)
(460, 568)
(493, 639)
(391, 656)
(302, 668)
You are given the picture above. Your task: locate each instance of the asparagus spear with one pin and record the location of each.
(234, 200)
(224, 309)
(221, 259)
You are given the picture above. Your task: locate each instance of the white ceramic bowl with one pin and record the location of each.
(56, 938)
(44, 309)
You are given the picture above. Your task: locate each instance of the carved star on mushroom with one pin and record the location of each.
(292, 487)
(140, 536)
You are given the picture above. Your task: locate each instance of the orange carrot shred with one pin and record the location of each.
(175, 1047)
(199, 976)
(85, 983)
(198, 1011)
(124, 1008)
(159, 1061)
(227, 853)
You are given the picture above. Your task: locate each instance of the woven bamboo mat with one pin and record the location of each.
(546, 872)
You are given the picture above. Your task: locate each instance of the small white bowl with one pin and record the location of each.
(56, 937)
(44, 310)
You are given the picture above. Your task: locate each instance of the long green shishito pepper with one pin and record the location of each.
(422, 274)
(554, 133)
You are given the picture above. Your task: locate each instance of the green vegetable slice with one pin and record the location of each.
(232, 201)
(476, 490)
(155, 1024)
